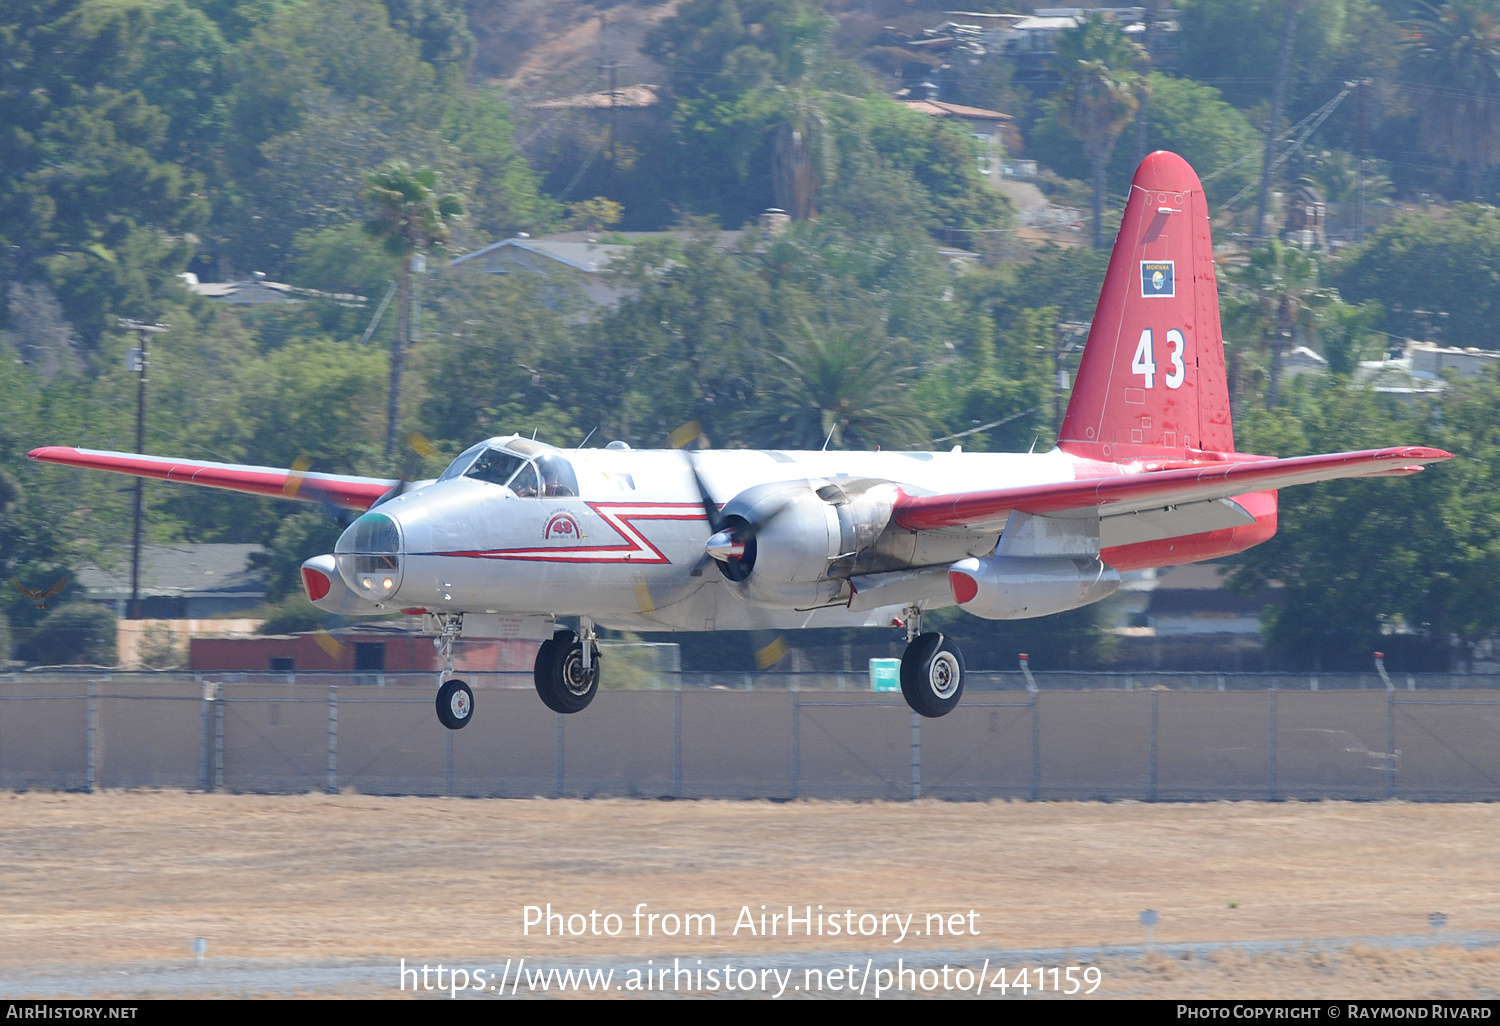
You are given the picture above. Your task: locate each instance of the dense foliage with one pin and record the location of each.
(142, 139)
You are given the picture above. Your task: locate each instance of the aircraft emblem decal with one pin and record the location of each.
(1157, 279)
(562, 525)
(620, 516)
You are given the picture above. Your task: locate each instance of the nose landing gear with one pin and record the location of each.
(455, 699)
(455, 704)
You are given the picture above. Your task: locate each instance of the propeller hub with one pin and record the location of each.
(724, 546)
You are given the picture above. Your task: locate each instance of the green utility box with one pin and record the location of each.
(885, 675)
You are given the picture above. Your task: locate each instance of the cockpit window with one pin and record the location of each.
(496, 466)
(558, 478)
(461, 462)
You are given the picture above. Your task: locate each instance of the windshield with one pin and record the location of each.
(461, 462)
(496, 466)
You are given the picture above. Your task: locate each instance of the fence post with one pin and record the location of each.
(1151, 785)
(677, 742)
(448, 761)
(796, 754)
(1036, 748)
(559, 785)
(333, 739)
(916, 755)
(218, 737)
(1390, 742)
(92, 738)
(206, 734)
(1271, 743)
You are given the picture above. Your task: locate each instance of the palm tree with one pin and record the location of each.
(846, 388)
(1451, 68)
(1279, 298)
(1099, 69)
(410, 217)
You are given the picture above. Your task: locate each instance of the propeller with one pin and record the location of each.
(732, 541)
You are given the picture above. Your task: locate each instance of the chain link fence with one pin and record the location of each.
(1145, 742)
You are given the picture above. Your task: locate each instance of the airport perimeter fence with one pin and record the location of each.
(1146, 744)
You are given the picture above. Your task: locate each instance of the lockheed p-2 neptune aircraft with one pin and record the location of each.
(517, 538)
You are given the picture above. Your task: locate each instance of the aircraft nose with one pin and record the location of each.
(368, 555)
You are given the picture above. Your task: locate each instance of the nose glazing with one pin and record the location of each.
(369, 556)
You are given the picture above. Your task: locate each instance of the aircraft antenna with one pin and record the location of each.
(588, 436)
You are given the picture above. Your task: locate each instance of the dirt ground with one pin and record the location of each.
(130, 878)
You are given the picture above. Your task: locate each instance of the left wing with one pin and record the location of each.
(337, 489)
(1137, 492)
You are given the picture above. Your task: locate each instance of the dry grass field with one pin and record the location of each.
(130, 878)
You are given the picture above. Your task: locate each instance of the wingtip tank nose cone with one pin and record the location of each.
(1164, 171)
(964, 587)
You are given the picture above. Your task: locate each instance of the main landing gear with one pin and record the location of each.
(932, 669)
(567, 669)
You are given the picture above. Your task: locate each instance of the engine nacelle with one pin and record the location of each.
(1020, 587)
(786, 564)
(326, 589)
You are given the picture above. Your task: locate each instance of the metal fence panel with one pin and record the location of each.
(1330, 744)
(852, 746)
(44, 736)
(980, 750)
(275, 738)
(1211, 745)
(149, 735)
(736, 744)
(390, 742)
(510, 748)
(624, 748)
(1450, 749)
(1094, 744)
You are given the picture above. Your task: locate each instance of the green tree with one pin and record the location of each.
(410, 217)
(1435, 274)
(1279, 298)
(1098, 68)
(78, 632)
(1186, 117)
(1451, 70)
(841, 387)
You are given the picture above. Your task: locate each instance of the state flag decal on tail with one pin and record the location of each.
(1156, 279)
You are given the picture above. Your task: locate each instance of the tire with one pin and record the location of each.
(932, 675)
(455, 705)
(541, 671)
(560, 680)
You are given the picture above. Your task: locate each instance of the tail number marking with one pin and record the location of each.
(1144, 361)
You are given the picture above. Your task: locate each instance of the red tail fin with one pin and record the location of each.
(1152, 381)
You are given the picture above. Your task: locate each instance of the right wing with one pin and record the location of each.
(1154, 489)
(341, 490)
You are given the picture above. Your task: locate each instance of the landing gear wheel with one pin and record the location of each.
(561, 681)
(932, 675)
(455, 705)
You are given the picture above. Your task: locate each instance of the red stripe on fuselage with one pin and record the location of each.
(638, 549)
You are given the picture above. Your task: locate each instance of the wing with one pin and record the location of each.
(1149, 490)
(346, 491)
(59, 586)
(35, 596)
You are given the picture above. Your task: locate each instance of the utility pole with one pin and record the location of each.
(136, 360)
(1294, 10)
(1359, 202)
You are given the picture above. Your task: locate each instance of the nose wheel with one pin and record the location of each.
(565, 680)
(455, 704)
(932, 675)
